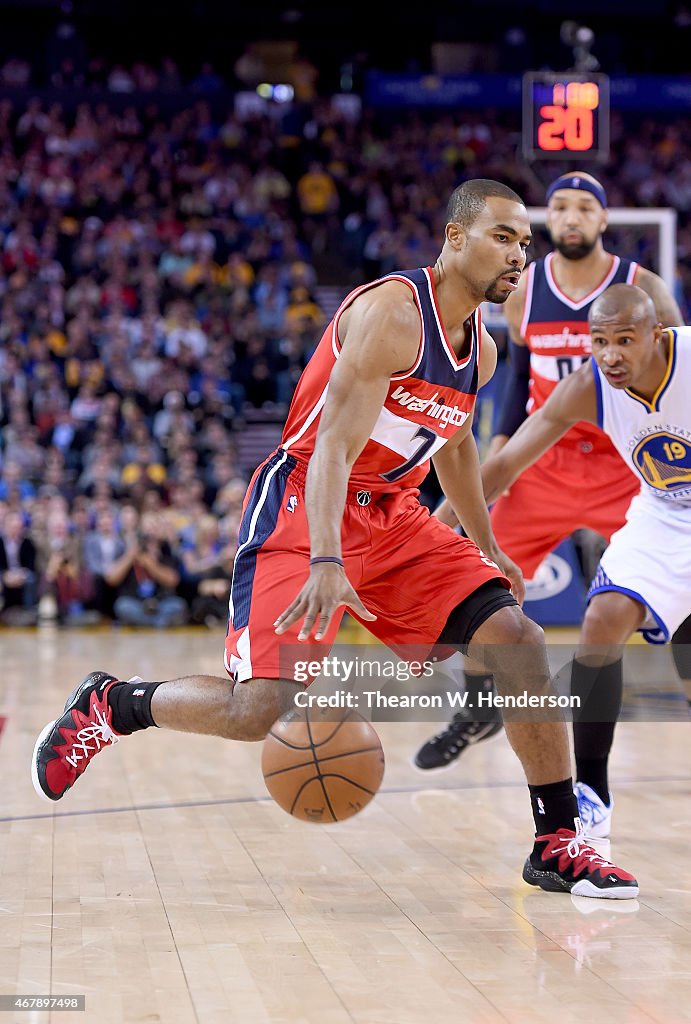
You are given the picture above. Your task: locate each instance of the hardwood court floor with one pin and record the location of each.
(168, 887)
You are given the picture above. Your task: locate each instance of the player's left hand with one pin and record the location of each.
(514, 574)
(326, 589)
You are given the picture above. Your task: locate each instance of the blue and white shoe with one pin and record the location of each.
(595, 815)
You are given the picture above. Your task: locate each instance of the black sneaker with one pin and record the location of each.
(564, 862)
(446, 746)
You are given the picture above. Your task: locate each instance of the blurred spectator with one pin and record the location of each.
(103, 546)
(101, 470)
(207, 561)
(15, 73)
(270, 297)
(33, 123)
(173, 416)
(304, 76)
(120, 80)
(144, 470)
(207, 81)
(13, 483)
(303, 311)
(67, 585)
(184, 333)
(18, 579)
(66, 55)
(169, 77)
(146, 577)
(230, 498)
(249, 68)
(318, 198)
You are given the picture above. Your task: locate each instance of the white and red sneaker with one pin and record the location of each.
(66, 746)
(564, 862)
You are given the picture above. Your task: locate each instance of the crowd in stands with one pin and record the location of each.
(159, 280)
(97, 73)
(69, 65)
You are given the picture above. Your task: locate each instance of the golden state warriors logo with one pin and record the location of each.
(664, 461)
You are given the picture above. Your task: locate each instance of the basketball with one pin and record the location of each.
(322, 771)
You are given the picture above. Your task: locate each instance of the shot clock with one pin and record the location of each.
(565, 115)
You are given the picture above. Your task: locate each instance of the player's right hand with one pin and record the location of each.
(326, 590)
(513, 574)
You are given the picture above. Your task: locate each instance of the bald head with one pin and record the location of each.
(623, 304)
(629, 345)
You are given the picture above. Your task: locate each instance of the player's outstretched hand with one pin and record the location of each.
(326, 589)
(514, 574)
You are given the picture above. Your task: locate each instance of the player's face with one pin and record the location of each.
(494, 253)
(575, 221)
(626, 349)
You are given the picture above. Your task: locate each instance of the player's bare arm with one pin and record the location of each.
(486, 368)
(488, 358)
(573, 400)
(488, 364)
(380, 335)
(457, 466)
(513, 311)
(514, 308)
(666, 305)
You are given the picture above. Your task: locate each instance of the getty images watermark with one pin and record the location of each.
(344, 670)
(419, 684)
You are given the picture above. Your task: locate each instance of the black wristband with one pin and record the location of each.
(328, 558)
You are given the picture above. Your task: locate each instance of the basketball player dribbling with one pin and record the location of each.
(580, 482)
(335, 509)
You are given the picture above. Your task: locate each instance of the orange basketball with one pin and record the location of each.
(322, 771)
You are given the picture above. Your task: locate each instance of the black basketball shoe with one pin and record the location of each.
(448, 745)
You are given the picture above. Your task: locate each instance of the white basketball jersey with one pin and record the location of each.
(654, 438)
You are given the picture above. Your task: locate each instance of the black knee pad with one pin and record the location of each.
(467, 617)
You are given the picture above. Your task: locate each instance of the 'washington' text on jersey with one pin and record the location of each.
(425, 404)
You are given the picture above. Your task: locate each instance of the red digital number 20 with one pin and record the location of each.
(565, 128)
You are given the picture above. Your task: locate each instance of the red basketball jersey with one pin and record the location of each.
(424, 407)
(555, 329)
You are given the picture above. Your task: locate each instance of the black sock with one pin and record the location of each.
(681, 649)
(554, 806)
(593, 772)
(600, 689)
(131, 706)
(477, 683)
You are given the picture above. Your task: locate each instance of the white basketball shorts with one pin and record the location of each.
(649, 559)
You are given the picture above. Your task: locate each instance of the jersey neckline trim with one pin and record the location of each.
(654, 404)
(563, 297)
(457, 364)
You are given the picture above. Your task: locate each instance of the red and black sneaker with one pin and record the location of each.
(67, 745)
(563, 862)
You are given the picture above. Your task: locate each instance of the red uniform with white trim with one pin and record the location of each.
(581, 482)
(408, 568)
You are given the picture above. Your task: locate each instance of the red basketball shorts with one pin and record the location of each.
(409, 569)
(565, 490)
